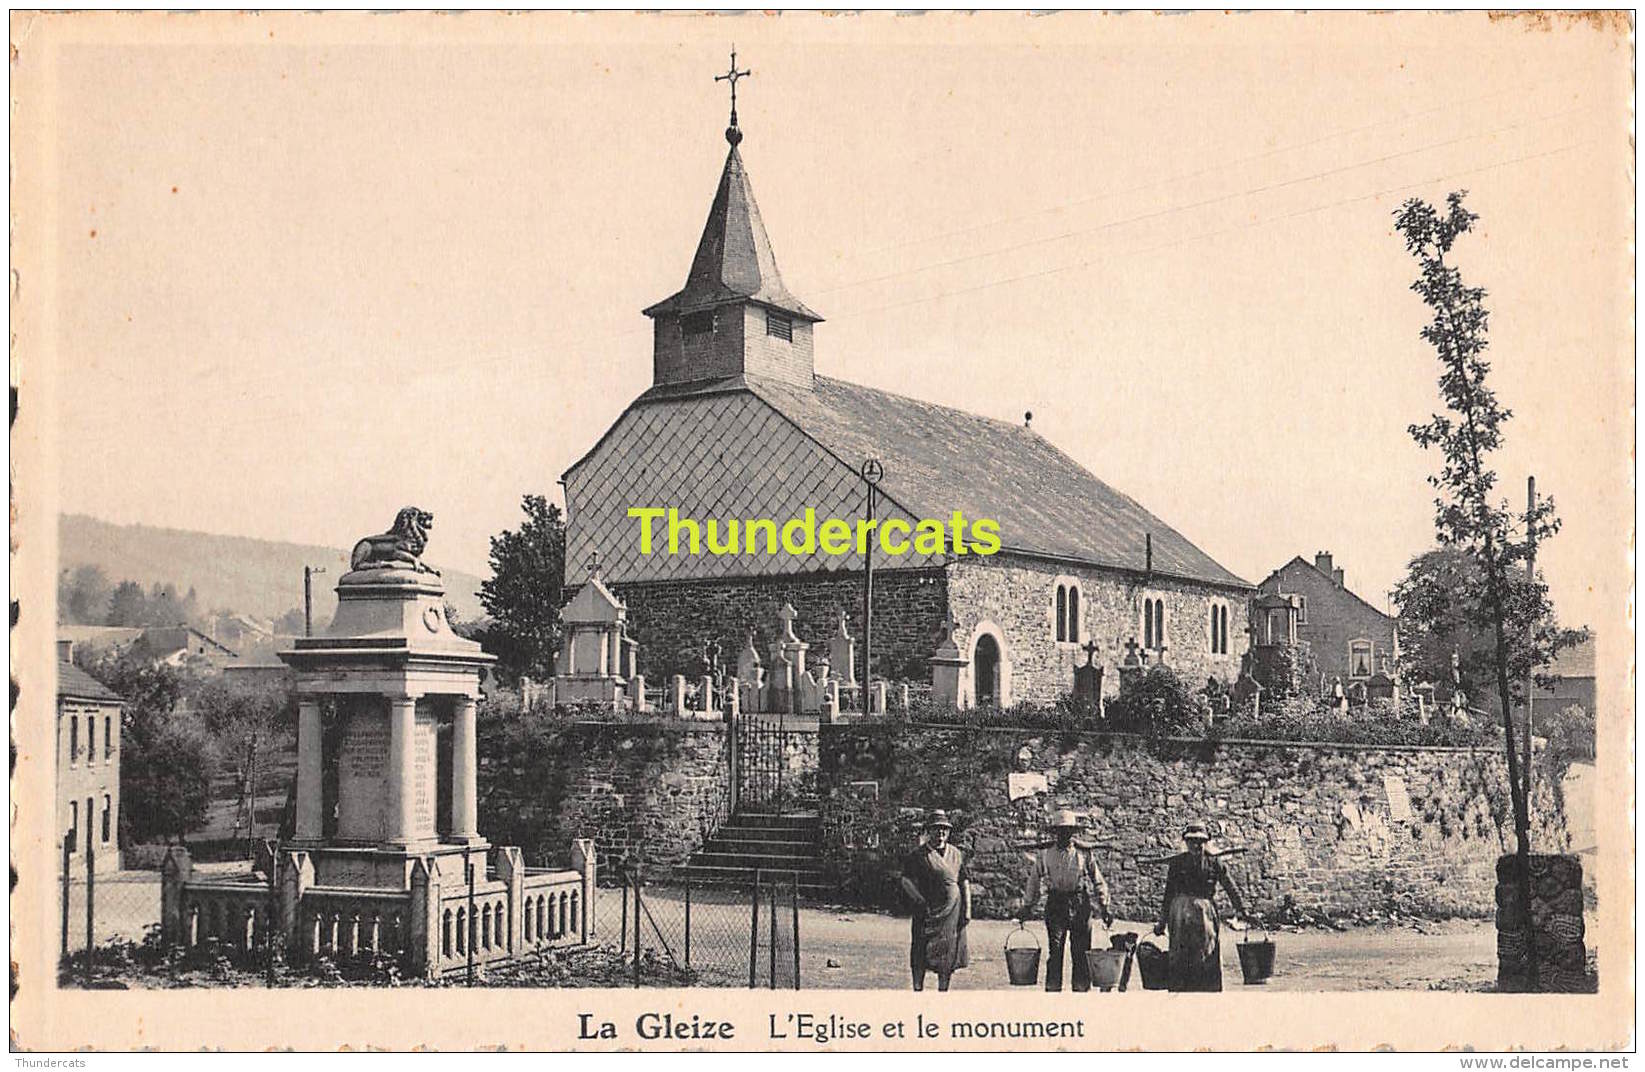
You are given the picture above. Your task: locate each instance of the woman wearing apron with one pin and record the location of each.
(934, 879)
(1189, 913)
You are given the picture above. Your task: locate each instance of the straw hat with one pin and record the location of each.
(938, 818)
(1064, 820)
(1196, 831)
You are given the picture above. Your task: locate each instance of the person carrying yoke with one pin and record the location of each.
(1189, 912)
(1074, 888)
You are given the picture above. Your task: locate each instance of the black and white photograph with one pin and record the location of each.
(785, 531)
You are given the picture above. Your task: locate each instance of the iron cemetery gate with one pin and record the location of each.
(773, 764)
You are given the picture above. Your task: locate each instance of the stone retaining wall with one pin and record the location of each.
(641, 791)
(1328, 829)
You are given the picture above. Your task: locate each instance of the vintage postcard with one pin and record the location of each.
(799, 531)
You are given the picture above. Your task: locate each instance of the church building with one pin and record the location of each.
(739, 424)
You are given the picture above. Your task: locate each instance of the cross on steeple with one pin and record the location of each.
(732, 134)
(593, 563)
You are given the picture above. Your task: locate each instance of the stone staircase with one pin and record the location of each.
(756, 840)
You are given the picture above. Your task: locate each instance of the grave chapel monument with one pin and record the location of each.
(386, 836)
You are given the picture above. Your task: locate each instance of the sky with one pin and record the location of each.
(309, 269)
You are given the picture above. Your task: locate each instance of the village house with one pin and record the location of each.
(1573, 671)
(173, 645)
(739, 424)
(1348, 637)
(88, 767)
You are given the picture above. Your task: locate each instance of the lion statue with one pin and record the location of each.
(399, 547)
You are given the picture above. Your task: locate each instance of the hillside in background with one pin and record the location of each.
(250, 576)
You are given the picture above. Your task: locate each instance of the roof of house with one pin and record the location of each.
(74, 683)
(98, 636)
(939, 459)
(734, 261)
(161, 640)
(1575, 661)
(1299, 560)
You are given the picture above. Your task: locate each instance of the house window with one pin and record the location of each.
(91, 738)
(74, 826)
(697, 323)
(74, 738)
(779, 325)
(1153, 623)
(1302, 610)
(108, 736)
(108, 812)
(1359, 658)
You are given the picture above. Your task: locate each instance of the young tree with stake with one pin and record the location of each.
(1468, 514)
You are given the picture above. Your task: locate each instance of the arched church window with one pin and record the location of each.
(1062, 612)
(1073, 614)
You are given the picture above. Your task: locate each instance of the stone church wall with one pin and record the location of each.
(1340, 830)
(672, 618)
(1018, 595)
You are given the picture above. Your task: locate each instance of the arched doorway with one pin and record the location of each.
(985, 665)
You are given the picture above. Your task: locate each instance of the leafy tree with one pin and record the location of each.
(1440, 603)
(1469, 516)
(128, 605)
(523, 593)
(83, 596)
(167, 756)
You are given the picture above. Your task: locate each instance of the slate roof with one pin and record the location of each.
(939, 459)
(734, 261)
(1300, 561)
(74, 683)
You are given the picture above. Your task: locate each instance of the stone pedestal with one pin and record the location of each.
(1554, 920)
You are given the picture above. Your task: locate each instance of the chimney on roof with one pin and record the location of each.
(1337, 575)
(65, 651)
(1322, 562)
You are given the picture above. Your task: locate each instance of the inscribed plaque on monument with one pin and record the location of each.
(422, 788)
(362, 757)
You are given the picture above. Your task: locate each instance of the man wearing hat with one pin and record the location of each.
(1189, 912)
(934, 881)
(1072, 882)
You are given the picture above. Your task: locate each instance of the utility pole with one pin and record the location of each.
(308, 598)
(1530, 628)
(872, 473)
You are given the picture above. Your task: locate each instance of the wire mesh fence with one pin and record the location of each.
(738, 934)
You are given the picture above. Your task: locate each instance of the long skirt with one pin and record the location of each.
(937, 942)
(1196, 945)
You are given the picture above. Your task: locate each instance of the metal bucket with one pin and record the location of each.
(1022, 962)
(1154, 964)
(1106, 965)
(1256, 960)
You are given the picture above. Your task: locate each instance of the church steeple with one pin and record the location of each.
(734, 315)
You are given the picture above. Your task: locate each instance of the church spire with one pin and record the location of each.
(734, 261)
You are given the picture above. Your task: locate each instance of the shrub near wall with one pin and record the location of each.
(639, 789)
(1317, 820)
